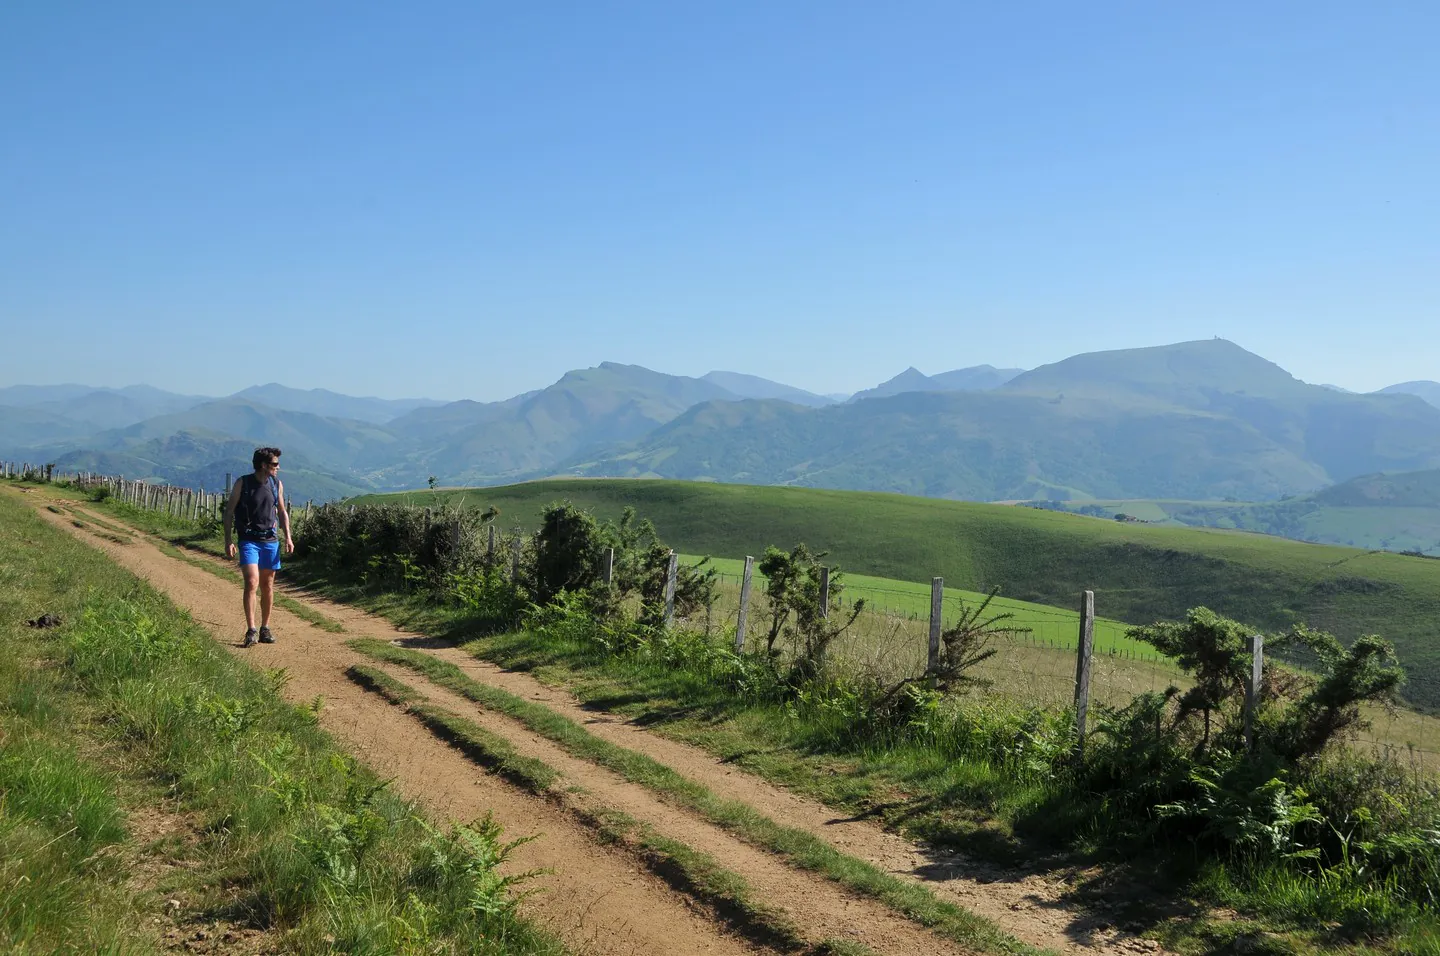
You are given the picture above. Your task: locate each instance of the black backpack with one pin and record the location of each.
(244, 521)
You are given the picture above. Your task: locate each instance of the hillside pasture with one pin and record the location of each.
(1322, 518)
(1140, 573)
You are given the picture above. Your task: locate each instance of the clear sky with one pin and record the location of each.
(467, 199)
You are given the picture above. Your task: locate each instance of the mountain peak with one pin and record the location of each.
(1428, 391)
(753, 386)
(977, 378)
(1177, 373)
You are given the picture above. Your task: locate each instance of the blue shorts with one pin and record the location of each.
(264, 553)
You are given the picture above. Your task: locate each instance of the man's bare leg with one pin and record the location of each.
(267, 595)
(251, 574)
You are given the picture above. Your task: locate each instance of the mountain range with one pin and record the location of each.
(1200, 420)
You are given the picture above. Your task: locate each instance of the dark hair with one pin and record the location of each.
(263, 455)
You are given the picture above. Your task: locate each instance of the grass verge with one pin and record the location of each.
(292, 838)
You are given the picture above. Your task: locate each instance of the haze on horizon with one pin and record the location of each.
(451, 201)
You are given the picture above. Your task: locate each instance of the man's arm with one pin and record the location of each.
(284, 511)
(230, 517)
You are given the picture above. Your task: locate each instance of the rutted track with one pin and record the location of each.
(600, 899)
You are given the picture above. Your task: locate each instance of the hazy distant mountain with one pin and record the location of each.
(1429, 391)
(320, 401)
(334, 444)
(585, 408)
(116, 408)
(1344, 434)
(91, 409)
(23, 430)
(753, 386)
(1186, 375)
(978, 378)
(1194, 420)
(976, 445)
(910, 380)
(433, 424)
(195, 461)
(19, 396)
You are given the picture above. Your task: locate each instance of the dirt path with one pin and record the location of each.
(1030, 906)
(1027, 905)
(600, 902)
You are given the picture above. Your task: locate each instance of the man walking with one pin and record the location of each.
(255, 511)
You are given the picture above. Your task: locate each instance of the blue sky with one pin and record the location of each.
(467, 199)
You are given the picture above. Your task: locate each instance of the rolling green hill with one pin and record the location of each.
(1139, 572)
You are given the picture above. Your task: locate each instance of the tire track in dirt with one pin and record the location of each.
(599, 901)
(1030, 906)
(823, 908)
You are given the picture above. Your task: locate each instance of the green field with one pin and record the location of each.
(1338, 515)
(888, 597)
(1140, 573)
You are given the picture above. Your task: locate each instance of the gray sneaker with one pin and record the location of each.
(265, 636)
(249, 638)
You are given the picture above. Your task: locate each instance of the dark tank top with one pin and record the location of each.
(255, 511)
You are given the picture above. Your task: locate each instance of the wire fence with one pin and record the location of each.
(1035, 665)
(1035, 659)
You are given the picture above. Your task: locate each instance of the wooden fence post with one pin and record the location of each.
(490, 548)
(1082, 669)
(515, 557)
(1252, 688)
(937, 609)
(609, 572)
(744, 603)
(670, 574)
